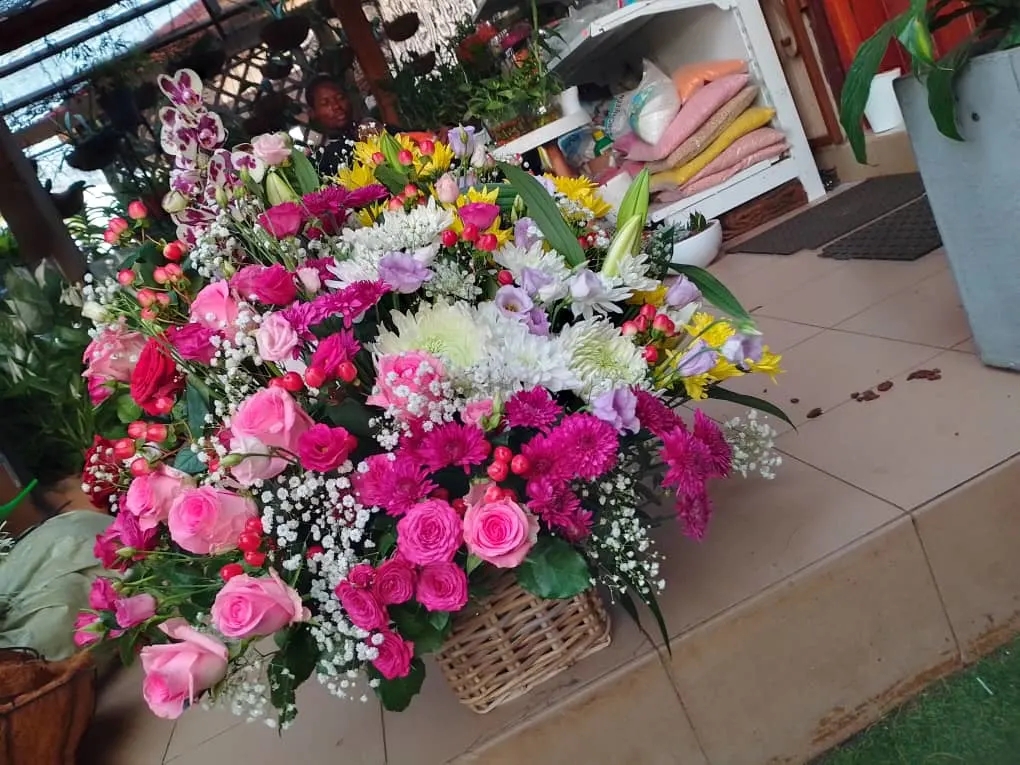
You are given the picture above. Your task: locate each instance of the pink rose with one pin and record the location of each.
(442, 587)
(87, 629)
(430, 532)
(193, 342)
(309, 279)
(333, 351)
(177, 673)
(150, 496)
(207, 520)
(213, 307)
(102, 596)
(273, 417)
(276, 338)
(405, 383)
(255, 607)
(394, 582)
(480, 214)
(283, 220)
(134, 610)
(272, 148)
(273, 285)
(110, 358)
(361, 576)
(257, 463)
(500, 533)
(395, 656)
(323, 448)
(361, 606)
(477, 411)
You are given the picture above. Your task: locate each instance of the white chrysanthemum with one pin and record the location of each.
(602, 358)
(400, 231)
(451, 333)
(633, 274)
(592, 293)
(515, 259)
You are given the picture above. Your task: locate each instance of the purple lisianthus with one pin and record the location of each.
(682, 292)
(462, 141)
(533, 280)
(619, 408)
(698, 360)
(402, 272)
(513, 301)
(525, 233)
(741, 347)
(537, 321)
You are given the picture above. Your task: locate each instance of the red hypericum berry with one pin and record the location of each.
(663, 324)
(173, 271)
(583, 241)
(314, 551)
(629, 329)
(502, 454)
(157, 432)
(347, 371)
(231, 570)
(140, 467)
(470, 232)
(351, 443)
(498, 471)
(487, 243)
(519, 465)
(124, 448)
(641, 323)
(149, 314)
(137, 210)
(138, 429)
(159, 275)
(648, 311)
(449, 237)
(492, 494)
(174, 251)
(146, 297)
(410, 191)
(505, 278)
(651, 354)
(126, 277)
(427, 147)
(292, 382)
(314, 377)
(276, 382)
(378, 158)
(405, 157)
(254, 525)
(214, 464)
(396, 203)
(163, 298)
(255, 559)
(459, 505)
(249, 542)
(441, 493)
(163, 405)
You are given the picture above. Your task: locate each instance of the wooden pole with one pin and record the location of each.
(369, 54)
(30, 213)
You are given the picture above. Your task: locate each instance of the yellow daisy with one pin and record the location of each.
(713, 331)
(655, 297)
(356, 177)
(572, 187)
(437, 164)
(768, 365)
(697, 386)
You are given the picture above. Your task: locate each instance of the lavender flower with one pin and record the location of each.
(741, 347)
(526, 233)
(619, 408)
(513, 301)
(462, 141)
(698, 360)
(402, 272)
(682, 292)
(533, 280)
(537, 322)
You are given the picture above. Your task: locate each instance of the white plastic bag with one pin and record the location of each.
(647, 110)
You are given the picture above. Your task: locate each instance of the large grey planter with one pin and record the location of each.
(974, 190)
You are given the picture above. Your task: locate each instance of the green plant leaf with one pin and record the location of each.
(188, 462)
(304, 171)
(440, 620)
(353, 416)
(127, 409)
(714, 291)
(396, 695)
(940, 83)
(289, 668)
(28, 302)
(858, 82)
(543, 210)
(554, 570)
(752, 402)
(917, 40)
(198, 408)
(415, 624)
(392, 179)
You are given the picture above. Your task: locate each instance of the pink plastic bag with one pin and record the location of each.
(710, 181)
(745, 146)
(691, 78)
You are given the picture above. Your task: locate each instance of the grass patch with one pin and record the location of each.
(971, 718)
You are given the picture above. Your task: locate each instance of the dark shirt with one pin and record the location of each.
(340, 150)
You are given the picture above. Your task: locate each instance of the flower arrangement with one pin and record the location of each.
(350, 397)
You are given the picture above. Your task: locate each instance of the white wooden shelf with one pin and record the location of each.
(545, 134)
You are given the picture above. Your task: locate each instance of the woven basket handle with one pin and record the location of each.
(25, 649)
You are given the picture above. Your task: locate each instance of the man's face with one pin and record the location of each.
(330, 107)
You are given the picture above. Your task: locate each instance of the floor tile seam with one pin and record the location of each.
(168, 760)
(897, 294)
(938, 589)
(928, 503)
(382, 729)
(844, 481)
(169, 740)
(839, 328)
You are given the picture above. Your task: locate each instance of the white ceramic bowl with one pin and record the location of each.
(701, 249)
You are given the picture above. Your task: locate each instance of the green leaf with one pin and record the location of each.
(414, 623)
(198, 408)
(916, 38)
(543, 210)
(391, 150)
(392, 179)
(941, 81)
(753, 402)
(290, 667)
(127, 409)
(307, 178)
(473, 562)
(188, 462)
(28, 301)
(714, 291)
(126, 648)
(554, 570)
(440, 620)
(353, 416)
(858, 81)
(396, 695)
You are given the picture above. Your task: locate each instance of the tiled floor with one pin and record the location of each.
(870, 566)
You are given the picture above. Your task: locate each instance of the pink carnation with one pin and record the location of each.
(429, 532)
(407, 383)
(501, 533)
(442, 587)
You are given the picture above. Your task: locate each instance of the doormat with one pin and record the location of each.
(760, 210)
(837, 216)
(906, 234)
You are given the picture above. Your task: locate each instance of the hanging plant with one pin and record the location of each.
(96, 151)
(278, 67)
(424, 63)
(402, 28)
(286, 33)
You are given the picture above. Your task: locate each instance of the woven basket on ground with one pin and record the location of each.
(760, 210)
(510, 641)
(45, 707)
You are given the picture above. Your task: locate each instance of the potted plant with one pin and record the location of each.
(496, 103)
(205, 58)
(282, 32)
(95, 146)
(697, 243)
(959, 114)
(402, 28)
(116, 85)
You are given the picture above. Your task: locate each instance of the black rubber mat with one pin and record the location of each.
(906, 234)
(836, 217)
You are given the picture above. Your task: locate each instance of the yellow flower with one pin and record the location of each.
(655, 297)
(572, 187)
(478, 195)
(697, 386)
(369, 216)
(713, 331)
(438, 163)
(768, 365)
(723, 370)
(365, 150)
(356, 177)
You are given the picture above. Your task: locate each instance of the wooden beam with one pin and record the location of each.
(30, 214)
(45, 18)
(369, 54)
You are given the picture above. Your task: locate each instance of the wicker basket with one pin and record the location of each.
(511, 641)
(45, 707)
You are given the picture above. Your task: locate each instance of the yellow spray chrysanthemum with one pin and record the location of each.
(356, 177)
(477, 195)
(768, 365)
(656, 297)
(582, 191)
(712, 330)
(437, 164)
(364, 151)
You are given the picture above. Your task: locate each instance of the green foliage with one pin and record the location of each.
(426, 630)
(696, 223)
(554, 570)
(543, 210)
(997, 28)
(715, 292)
(290, 667)
(722, 394)
(396, 694)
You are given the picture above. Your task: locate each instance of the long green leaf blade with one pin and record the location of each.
(307, 178)
(543, 210)
(715, 292)
(752, 402)
(940, 82)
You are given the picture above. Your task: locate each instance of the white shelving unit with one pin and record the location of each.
(671, 33)
(545, 134)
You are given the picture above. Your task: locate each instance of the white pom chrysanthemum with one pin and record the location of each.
(602, 358)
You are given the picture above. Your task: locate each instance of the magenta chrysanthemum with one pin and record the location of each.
(711, 435)
(545, 460)
(655, 416)
(394, 485)
(349, 304)
(688, 462)
(453, 445)
(590, 446)
(533, 408)
(556, 504)
(694, 513)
